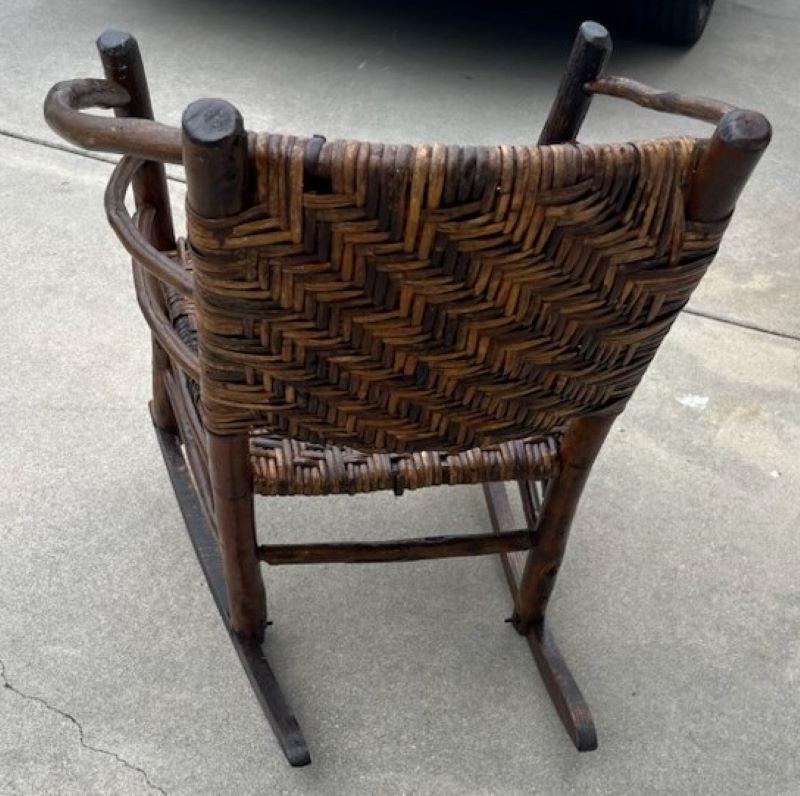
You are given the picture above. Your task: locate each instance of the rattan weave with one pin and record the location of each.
(442, 297)
(284, 466)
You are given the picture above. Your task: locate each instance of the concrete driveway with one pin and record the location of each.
(678, 606)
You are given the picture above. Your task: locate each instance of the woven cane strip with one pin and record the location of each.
(442, 298)
(283, 466)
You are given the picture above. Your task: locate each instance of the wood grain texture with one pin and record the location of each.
(702, 108)
(590, 53)
(428, 547)
(259, 672)
(214, 149)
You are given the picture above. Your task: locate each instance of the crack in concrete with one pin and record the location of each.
(81, 737)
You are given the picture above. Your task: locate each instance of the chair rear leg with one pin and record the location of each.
(122, 63)
(214, 156)
(532, 584)
(256, 666)
(231, 484)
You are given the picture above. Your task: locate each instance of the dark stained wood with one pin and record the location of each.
(159, 265)
(151, 302)
(231, 485)
(531, 501)
(735, 149)
(579, 447)
(212, 471)
(140, 138)
(702, 108)
(590, 52)
(502, 519)
(215, 154)
(259, 672)
(122, 64)
(194, 443)
(215, 151)
(567, 698)
(396, 549)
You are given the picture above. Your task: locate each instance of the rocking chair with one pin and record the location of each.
(345, 317)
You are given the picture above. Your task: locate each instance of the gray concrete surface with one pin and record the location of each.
(678, 606)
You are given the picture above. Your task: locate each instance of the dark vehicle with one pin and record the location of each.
(669, 21)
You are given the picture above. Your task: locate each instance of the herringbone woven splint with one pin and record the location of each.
(439, 298)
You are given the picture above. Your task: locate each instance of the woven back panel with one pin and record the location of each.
(442, 297)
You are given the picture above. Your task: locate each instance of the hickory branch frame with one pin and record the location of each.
(210, 471)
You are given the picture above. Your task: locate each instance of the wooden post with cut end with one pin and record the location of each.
(214, 156)
(122, 63)
(734, 151)
(590, 52)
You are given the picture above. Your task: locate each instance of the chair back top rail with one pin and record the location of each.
(66, 102)
(518, 364)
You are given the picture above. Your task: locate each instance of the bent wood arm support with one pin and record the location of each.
(134, 236)
(397, 549)
(161, 326)
(149, 266)
(141, 138)
(702, 108)
(158, 264)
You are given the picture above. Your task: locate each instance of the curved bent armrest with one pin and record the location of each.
(150, 266)
(702, 108)
(125, 136)
(160, 325)
(154, 261)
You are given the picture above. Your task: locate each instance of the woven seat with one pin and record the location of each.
(283, 466)
(344, 317)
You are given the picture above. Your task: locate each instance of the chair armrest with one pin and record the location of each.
(150, 266)
(161, 326)
(144, 138)
(154, 261)
(702, 108)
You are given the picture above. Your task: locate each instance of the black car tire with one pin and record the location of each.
(669, 21)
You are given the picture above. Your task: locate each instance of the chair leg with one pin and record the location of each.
(231, 485)
(532, 583)
(163, 416)
(259, 672)
(579, 447)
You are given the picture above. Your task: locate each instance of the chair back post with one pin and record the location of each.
(122, 63)
(736, 147)
(590, 52)
(215, 159)
(584, 435)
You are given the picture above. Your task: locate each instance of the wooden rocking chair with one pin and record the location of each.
(346, 317)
